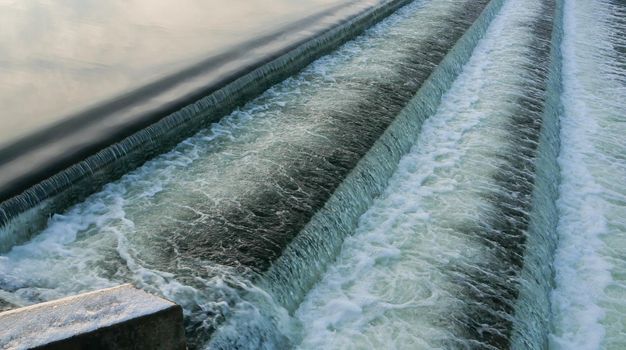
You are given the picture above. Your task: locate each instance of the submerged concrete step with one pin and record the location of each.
(121, 317)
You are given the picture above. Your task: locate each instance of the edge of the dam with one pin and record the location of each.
(86, 164)
(121, 317)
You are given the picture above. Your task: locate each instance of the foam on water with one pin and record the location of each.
(589, 301)
(397, 282)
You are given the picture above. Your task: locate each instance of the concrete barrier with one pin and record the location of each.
(116, 318)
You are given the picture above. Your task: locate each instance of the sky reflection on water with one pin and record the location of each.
(58, 57)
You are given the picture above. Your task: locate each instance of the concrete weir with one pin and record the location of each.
(230, 220)
(121, 317)
(49, 170)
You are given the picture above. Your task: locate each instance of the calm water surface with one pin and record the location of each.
(58, 57)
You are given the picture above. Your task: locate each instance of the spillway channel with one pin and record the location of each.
(451, 178)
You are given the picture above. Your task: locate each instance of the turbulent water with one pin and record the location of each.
(199, 223)
(453, 178)
(589, 301)
(433, 261)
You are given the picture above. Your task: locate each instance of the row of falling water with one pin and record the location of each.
(489, 212)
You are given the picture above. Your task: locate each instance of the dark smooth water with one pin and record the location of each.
(60, 57)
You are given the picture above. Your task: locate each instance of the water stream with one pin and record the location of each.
(452, 178)
(432, 263)
(589, 302)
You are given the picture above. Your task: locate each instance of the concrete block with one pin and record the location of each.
(122, 317)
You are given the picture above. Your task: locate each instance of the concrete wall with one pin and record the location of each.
(116, 318)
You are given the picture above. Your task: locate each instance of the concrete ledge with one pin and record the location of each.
(116, 318)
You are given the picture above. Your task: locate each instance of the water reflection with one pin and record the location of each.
(59, 56)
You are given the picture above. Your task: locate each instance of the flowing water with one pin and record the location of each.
(589, 301)
(413, 189)
(199, 223)
(433, 262)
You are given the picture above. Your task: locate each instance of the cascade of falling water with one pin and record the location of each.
(590, 291)
(439, 260)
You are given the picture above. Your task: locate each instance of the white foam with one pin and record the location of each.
(390, 286)
(592, 203)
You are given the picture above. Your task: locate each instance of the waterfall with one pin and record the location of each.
(588, 297)
(198, 224)
(307, 256)
(451, 178)
(479, 264)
